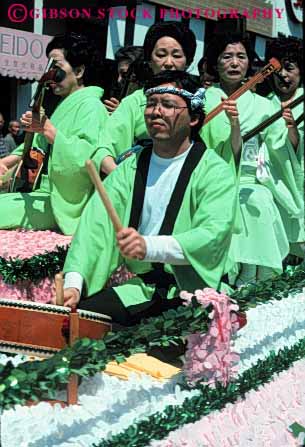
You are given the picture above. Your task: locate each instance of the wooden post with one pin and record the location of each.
(59, 287)
(72, 389)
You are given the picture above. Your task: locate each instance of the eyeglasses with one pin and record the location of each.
(165, 107)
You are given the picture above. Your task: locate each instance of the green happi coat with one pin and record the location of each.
(203, 229)
(290, 164)
(80, 120)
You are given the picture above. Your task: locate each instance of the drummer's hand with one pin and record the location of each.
(111, 104)
(131, 244)
(44, 126)
(71, 297)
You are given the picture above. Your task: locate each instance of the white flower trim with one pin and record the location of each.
(270, 327)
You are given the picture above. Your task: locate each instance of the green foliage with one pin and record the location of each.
(35, 268)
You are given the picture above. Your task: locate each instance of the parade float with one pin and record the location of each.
(241, 383)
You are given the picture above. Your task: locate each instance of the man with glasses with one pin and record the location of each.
(176, 201)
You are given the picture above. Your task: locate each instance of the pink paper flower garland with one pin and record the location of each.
(24, 244)
(209, 357)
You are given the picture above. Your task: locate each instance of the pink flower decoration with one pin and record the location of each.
(208, 356)
(24, 244)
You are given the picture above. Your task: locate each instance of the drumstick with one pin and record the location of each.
(104, 196)
(59, 287)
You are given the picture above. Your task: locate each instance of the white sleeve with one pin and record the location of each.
(165, 249)
(73, 279)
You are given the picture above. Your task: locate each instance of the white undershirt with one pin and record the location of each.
(161, 181)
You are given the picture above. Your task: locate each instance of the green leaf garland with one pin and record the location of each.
(87, 357)
(33, 269)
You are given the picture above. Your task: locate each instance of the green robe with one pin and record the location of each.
(290, 164)
(125, 125)
(203, 229)
(80, 120)
(262, 239)
(252, 108)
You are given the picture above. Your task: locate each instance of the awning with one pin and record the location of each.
(22, 54)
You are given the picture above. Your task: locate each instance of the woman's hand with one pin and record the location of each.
(3, 170)
(287, 115)
(293, 133)
(230, 107)
(108, 165)
(44, 126)
(111, 104)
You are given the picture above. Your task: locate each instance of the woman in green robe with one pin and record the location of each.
(287, 86)
(262, 244)
(71, 136)
(167, 46)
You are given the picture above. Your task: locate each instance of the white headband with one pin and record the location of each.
(197, 99)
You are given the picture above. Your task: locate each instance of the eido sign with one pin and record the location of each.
(20, 46)
(22, 53)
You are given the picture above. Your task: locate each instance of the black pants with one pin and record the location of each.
(107, 302)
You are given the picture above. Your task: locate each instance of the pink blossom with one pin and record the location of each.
(209, 357)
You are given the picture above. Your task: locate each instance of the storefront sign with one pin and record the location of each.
(22, 54)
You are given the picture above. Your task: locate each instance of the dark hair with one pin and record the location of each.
(79, 50)
(185, 81)
(176, 30)
(129, 53)
(137, 73)
(218, 45)
(201, 63)
(286, 49)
